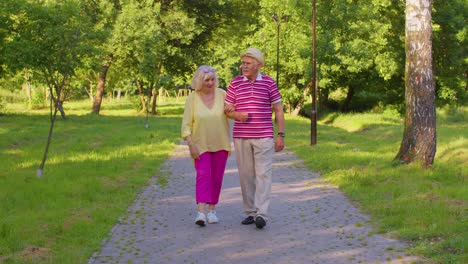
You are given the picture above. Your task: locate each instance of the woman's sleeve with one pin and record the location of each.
(187, 120)
(224, 94)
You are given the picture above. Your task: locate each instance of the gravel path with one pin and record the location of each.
(310, 222)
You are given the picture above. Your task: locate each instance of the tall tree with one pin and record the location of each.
(52, 39)
(419, 137)
(360, 49)
(146, 36)
(227, 28)
(104, 14)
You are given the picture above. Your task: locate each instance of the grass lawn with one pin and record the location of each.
(98, 164)
(428, 207)
(95, 168)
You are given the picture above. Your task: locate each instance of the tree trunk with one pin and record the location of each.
(141, 94)
(39, 171)
(154, 101)
(323, 98)
(119, 93)
(156, 88)
(301, 102)
(90, 92)
(56, 107)
(349, 97)
(59, 107)
(419, 136)
(101, 85)
(28, 88)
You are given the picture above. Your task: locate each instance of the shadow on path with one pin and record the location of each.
(310, 222)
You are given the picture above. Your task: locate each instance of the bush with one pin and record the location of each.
(306, 111)
(2, 106)
(291, 97)
(136, 102)
(394, 110)
(12, 96)
(38, 99)
(364, 101)
(453, 114)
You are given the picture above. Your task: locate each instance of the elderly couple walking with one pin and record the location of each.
(249, 100)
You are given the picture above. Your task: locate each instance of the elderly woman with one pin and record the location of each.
(206, 130)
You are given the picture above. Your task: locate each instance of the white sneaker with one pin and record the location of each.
(212, 218)
(201, 219)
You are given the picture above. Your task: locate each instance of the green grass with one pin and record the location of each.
(95, 168)
(98, 164)
(427, 207)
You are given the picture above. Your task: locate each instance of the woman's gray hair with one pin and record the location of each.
(200, 75)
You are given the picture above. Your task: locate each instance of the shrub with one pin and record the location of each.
(453, 113)
(12, 96)
(38, 99)
(2, 106)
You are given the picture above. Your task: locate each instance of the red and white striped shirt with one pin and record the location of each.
(255, 98)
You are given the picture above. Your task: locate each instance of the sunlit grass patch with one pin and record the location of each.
(358, 122)
(426, 207)
(95, 168)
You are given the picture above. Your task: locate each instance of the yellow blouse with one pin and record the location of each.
(209, 128)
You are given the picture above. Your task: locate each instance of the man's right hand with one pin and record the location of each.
(241, 116)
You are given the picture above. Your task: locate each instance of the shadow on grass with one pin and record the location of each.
(380, 141)
(425, 206)
(95, 168)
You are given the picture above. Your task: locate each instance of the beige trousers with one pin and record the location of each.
(254, 161)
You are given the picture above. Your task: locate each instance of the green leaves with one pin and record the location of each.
(170, 38)
(52, 38)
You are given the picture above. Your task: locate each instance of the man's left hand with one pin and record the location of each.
(279, 143)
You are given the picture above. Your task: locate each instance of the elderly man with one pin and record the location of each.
(249, 100)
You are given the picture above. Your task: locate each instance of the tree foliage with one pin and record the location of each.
(360, 44)
(450, 43)
(52, 39)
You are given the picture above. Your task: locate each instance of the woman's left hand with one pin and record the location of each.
(194, 152)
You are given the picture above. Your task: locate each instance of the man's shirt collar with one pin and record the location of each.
(259, 77)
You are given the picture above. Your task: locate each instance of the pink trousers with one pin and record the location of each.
(210, 172)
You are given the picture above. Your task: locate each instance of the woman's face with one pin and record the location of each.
(209, 82)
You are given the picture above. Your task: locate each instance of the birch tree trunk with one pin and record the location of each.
(90, 92)
(119, 93)
(419, 136)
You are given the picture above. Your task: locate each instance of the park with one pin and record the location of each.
(91, 101)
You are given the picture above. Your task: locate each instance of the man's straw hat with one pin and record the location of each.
(254, 53)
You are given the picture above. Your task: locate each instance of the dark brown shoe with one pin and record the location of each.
(248, 221)
(260, 222)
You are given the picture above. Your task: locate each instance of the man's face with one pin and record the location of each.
(250, 67)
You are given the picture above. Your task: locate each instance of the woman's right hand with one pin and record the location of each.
(229, 108)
